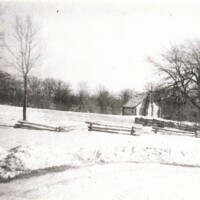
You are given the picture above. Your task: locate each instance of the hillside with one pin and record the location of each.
(50, 165)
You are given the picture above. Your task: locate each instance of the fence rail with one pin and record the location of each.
(36, 126)
(163, 124)
(154, 122)
(93, 126)
(170, 131)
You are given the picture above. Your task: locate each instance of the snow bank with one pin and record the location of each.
(11, 162)
(140, 154)
(3, 153)
(27, 158)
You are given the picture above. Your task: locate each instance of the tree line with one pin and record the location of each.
(52, 93)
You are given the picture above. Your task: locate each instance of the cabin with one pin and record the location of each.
(141, 104)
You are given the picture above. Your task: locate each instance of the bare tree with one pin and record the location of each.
(2, 9)
(83, 97)
(150, 89)
(34, 91)
(181, 69)
(126, 95)
(103, 97)
(24, 51)
(62, 95)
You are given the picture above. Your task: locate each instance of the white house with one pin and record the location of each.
(141, 104)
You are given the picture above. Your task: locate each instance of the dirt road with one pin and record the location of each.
(115, 181)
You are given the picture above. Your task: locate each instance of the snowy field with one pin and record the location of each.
(93, 165)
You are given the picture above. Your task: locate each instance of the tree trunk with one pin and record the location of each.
(151, 103)
(160, 110)
(25, 97)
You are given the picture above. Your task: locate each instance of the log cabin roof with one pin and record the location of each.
(137, 99)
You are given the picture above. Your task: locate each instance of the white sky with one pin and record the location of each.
(106, 42)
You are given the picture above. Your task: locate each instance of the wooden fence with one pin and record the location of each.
(169, 131)
(93, 126)
(35, 126)
(154, 122)
(163, 124)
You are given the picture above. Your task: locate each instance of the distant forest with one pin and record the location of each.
(56, 94)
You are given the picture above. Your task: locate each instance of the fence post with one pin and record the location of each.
(132, 130)
(196, 134)
(90, 127)
(145, 122)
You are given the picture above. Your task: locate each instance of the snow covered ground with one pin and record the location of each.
(93, 165)
(10, 114)
(117, 181)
